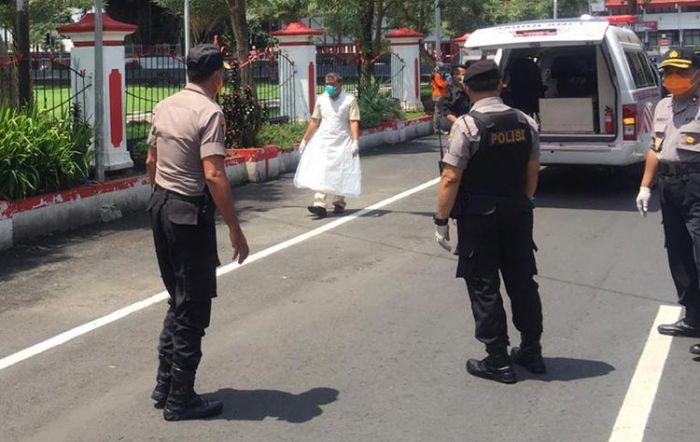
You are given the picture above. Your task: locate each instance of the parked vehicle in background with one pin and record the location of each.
(598, 88)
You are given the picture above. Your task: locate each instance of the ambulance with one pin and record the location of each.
(588, 83)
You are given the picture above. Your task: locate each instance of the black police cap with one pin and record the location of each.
(682, 58)
(205, 58)
(482, 69)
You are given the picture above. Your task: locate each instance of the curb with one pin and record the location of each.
(67, 210)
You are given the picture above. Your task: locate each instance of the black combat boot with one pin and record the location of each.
(163, 378)
(529, 356)
(496, 366)
(183, 403)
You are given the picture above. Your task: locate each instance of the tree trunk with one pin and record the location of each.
(366, 27)
(377, 43)
(239, 24)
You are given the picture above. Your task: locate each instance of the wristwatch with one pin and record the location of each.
(440, 222)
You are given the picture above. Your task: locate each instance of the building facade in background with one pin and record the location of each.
(662, 23)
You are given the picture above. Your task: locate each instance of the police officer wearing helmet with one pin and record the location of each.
(674, 163)
(186, 167)
(488, 182)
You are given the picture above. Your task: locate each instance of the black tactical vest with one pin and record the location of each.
(496, 175)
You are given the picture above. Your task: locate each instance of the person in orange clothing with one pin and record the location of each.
(439, 84)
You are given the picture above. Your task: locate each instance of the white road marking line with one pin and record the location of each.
(133, 308)
(632, 418)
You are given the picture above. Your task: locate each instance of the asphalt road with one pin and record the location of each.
(359, 333)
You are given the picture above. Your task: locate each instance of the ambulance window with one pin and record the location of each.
(650, 69)
(640, 69)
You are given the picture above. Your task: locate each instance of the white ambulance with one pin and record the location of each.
(588, 83)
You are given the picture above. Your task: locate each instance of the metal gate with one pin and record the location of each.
(150, 77)
(273, 75)
(388, 68)
(61, 90)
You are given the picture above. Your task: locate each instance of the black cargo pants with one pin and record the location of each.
(679, 195)
(185, 240)
(500, 241)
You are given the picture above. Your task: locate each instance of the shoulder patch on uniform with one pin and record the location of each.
(657, 143)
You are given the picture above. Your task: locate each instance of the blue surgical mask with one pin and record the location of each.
(331, 90)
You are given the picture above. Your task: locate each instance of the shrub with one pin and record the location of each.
(285, 136)
(376, 106)
(244, 115)
(40, 154)
(139, 153)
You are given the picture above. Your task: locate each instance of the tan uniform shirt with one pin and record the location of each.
(463, 141)
(677, 130)
(187, 127)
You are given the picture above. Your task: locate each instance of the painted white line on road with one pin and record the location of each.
(632, 418)
(133, 308)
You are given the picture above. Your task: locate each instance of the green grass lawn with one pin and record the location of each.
(139, 98)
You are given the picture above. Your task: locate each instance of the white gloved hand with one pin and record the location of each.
(442, 236)
(302, 146)
(355, 149)
(643, 200)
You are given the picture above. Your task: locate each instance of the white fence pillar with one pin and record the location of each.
(82, 34)
(296, 42)
(405, 43)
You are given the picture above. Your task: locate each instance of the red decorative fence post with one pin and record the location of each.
(82, 34)
(405, 43)
(297, 44)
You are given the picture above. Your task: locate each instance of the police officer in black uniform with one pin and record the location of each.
(488, 183)
(186, 167)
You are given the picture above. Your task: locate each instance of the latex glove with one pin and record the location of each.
(442, 236)
(643, 200)
(355, 149)
(302, 146)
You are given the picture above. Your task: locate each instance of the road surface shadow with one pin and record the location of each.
(567, 369)
(590, 188)
(416, 146)
(256, 405)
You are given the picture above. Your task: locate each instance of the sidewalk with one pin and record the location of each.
(34, 217)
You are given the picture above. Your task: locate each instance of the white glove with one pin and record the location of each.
(302, 146)
(643, 200)
(355, 150)
(442, 236)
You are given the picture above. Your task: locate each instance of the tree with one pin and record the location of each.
(45, 15)
(155, 24)
(466, 16)
(205, 15)
(239, 24)
(287, 11)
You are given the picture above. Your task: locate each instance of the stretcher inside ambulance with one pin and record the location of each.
(589, 85)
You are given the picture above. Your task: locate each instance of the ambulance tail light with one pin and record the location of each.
(629, 122)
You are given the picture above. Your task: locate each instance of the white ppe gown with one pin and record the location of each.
(327, 164)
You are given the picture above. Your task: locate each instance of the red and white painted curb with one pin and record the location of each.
(62, 211)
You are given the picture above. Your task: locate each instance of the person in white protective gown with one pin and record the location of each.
(330, 151)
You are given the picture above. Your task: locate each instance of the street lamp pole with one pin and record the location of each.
(555, 13)
(23, 49)
(99, 95)
(438, 49)
(187, 27)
